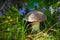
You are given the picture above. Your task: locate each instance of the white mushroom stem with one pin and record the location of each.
(35, 26)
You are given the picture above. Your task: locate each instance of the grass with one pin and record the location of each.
(12, 27)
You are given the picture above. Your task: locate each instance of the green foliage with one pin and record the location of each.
(12, 24)
(10, 27)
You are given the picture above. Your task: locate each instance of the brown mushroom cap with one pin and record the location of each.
(35, 16)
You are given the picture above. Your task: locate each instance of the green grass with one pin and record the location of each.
(12, 27)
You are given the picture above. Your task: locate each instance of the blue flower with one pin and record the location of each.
(59, 19)
(51, 9)
(36, 4)
(31, 9)
(43, 9)
(22, 10)
(58, 9)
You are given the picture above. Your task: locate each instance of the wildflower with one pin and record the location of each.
(36, 4)
(31, 9)
(22, 10)
(58, 9)
(59, 19)
(51, 9)
(43, 9)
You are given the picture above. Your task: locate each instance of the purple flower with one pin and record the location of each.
(22, 10)
(59, 19)
(58, 9)
(43, 9)
(36, 4)
(31, 9)
(51, 9)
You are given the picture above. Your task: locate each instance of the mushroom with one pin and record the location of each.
(35, 17)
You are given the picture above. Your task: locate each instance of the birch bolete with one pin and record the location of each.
(35, 17)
